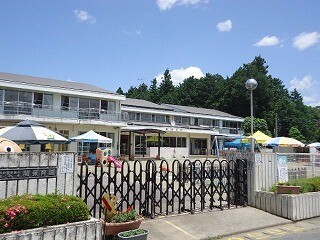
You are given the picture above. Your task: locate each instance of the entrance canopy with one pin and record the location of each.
(91, 137)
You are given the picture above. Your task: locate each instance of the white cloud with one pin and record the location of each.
(301, 84)
(178, 75)
(225, 26)
(268, 41)
(168, 4)
(308, 88)
(305, 40)
(84, 16)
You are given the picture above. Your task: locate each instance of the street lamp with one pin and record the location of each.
(251, 84)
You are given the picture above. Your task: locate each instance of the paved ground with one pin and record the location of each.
(210, 225)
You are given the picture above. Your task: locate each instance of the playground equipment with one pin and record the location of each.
(104, 156)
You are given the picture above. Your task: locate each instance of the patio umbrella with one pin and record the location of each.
(31, 132)
(316, 145)
(91, 136)
(283, 142)
(260, 137)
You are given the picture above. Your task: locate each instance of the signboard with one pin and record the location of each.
(66, 163)
(282, 168)
(23, 173)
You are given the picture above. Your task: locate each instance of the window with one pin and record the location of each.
(182, 120)
(138, 117)
(145, 117)
(111, 106)
(174, 142)
(37, 100)
(17, 102)
(41, 100)
(162, 118)
(74, 103)
(104, 106)
(65, 102)
(1, 97)
(181, 142)
(108, 106)
(131, 116)
(11, 96)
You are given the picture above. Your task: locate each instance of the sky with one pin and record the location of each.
(123, 43)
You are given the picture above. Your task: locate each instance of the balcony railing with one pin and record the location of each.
(50, 111)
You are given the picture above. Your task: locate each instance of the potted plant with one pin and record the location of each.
(118, 221)
(122, 221)
(137, 234)
(285, 188)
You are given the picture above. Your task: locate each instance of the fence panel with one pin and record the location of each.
(170, 187)
(298, 165)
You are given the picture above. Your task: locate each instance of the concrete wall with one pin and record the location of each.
(292, 206)
(86, 230)
(41, 173)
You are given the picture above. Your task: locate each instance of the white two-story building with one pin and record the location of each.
(66, 107)
(136, 127)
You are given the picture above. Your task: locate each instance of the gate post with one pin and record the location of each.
(251, 179)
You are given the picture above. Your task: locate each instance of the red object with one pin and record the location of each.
(106, 203)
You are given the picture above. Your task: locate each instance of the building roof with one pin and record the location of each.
(196, 110)
(140, 103)
(45, 82)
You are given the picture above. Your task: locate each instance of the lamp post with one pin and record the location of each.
(251, 84)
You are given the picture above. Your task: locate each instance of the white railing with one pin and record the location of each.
(51, 111)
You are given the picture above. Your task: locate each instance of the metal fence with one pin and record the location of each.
(162, 188)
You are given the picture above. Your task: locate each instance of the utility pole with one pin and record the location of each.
(276, 126)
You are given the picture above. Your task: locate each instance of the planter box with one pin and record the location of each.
(291, 206)
(126, 235)
(85, 230)
(282, 189)
(111, 229)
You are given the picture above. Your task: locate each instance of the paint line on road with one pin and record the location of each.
(180, 229)
(275, 231)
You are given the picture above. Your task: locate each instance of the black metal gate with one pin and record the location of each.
(157, 187)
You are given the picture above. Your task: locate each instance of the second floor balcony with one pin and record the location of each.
(64, 113)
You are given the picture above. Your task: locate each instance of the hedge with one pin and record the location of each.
(32, 211)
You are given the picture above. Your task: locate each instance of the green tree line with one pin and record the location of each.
(273, 104)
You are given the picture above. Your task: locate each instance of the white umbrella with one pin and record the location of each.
(91, 136)
(30, 132)
(316, 145)
(283, 142)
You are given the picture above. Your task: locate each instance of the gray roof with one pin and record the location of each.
(206, 111)
(140, 103)
(45, 82)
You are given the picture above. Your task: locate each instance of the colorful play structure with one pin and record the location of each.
(103, 156)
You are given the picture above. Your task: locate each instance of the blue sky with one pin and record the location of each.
(122, 43)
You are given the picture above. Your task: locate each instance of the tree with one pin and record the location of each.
(258, 125)
(166, 89)
(153, 91)
(120, 91)
(296, 134)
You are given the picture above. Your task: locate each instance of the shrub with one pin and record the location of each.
(306, 184)
(32, 211)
